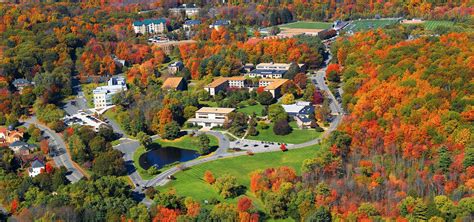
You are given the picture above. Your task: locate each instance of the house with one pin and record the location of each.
(223, 83)
(301, 112)
(189, 24)
(20, 84)
(36, 168)
(273, 86)
(20, 147)
(219, 23)
(189, 9)
(8, 136)
(175, 67)
(103, 94)
(211, 116)
(174, 83)
(149, 26)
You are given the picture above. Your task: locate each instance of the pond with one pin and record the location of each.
(166, 155)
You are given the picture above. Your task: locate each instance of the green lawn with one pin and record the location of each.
(431, 25)
(185, 142)
(190, 182)
(307, 25)
(257, 109)
(208, 103)
(361, 25)
(295, 137)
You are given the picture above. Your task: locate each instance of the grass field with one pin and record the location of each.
(257, 109)
(361, 25)
(185, 142)
(431, 25)
(296, 136)
(307, 25)
(190, 182)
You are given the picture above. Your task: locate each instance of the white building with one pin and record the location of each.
(275, 66)
(84, 119)
(211, 116)
(103, 94)
(36, 168)
(189, 9)
(149, 26)
(219, 23)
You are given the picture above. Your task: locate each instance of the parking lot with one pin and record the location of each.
(254, 145)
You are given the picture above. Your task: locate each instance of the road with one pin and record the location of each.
(63, 159)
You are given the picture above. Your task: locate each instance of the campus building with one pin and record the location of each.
(175, 67)
(189, 9)
(219, 23)
(301, 112)
(149, 26)
(174, 83)
(222, 84)
(189, 24)
(103, 94)
(211, 116)
(271, 70)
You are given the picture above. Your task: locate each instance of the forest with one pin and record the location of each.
(405, 149)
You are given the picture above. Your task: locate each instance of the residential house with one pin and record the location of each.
(8, 136)
(36, 168)
(219, 23)
(175, 67)
(174, 83)
(189, 24)
(223, 83)
(151, 26)
(301, 112)
(20, 147)
(189, 9)
(211, 116)
(20, 84)
(103, 94)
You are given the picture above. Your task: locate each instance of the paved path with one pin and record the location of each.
(63, 159)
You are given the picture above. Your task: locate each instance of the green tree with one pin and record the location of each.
(444, 159)
(265, 98)
(204, 142)
(109, 163)
(227, 186)
(189, 111)
(277, 112)
(144, 139)
(288, 99)
(224, 212)
(97, 145)
(281, 127)
(292, 71)
(172, 131)
(469, 157)
(322, 214)
(276, 205)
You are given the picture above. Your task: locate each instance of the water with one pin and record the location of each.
(166, 155)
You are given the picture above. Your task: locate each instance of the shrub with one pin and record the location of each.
(282, 127)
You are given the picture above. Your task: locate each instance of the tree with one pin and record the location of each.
(277, 112)
(292, 71)
(44, 146)
(209, 177)
(144, 139)
(469, 157)
(301, 80)
(172, 131)
(224, 212)
(189, 111)
(288, 99)
(244, 204)
(98, 145)
(265, 98)
(281, 127)
(322, 214)
(317, 97)
(227, 186)
(204, 142)
(109, 163)
(444, 160)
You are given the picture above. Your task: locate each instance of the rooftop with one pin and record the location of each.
(268, 71)
(19, 143)
(215, 110)
(217, 82)
(37, 164)
(276, 83)
(149, 21)
(21, 82)
(299, 108)
(172, 82)
(192, 22)
(221, 22)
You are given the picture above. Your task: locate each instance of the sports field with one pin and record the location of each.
(307, 25)
(430, 25)
(361, 25)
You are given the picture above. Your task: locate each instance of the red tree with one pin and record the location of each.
(244, 204)
(209, 177)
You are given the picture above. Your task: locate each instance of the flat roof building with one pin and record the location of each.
(149, 26)
(211, 116)
(103, 94)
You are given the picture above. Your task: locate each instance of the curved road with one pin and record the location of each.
(63, 159)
